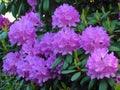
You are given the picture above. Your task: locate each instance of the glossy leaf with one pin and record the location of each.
(56, 62)
(46, 5)
(69, 59)
(84, 80)
(91, 84)
(68, 71)
(103, 85)
(75, 76)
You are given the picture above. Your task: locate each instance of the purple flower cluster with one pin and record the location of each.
(93, 38)
(65, 15)
(102, 64)
(46, 46)
(30, 67)
(30, 62)
(33, 62)
(9, 64)
(63, 42)
(4, 22)
(24, 29)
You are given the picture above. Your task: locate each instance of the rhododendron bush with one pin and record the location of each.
(60, 45)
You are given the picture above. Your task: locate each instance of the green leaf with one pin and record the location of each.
(118, 40)
(46, 5)
(91, 84)
(3, 35)
(50, 88)
(20, 9)
(83, 62)
(20, 85)
(118, 23)
(84, 70)
(92, 21)
(2, 7)
(114, 48)
(105, 15)
(64, 85)
(57, 1)
(103, 85)
(69, 59)
(113, 24)
(81, 26)
(15, 1)
(75, 76)
(111, 82)
(68, 71)
(56, 62)
(85, 79)
(14, 10)
(104, 25)
(65, 65)
(72, 67)
(28, 87)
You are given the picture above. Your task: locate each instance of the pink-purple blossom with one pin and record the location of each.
(33, 68)
(9, 64)
(33, 18)
(21, 31)
(31, 47)
(4, 22)
(102, 64)
(93, 38)
(65, 15)
(24, 29)
(66, 41)
(46, 46)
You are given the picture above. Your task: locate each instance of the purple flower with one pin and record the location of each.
(33, 68)
(117, 79)
(101, 64)
(36, 69)
(34, 18)
(23, 68)
(9, 64)
(24, 29)
(65, 41)
(4, 22)
(21, 31)
(31, 47)
(93, 38)
(32, 3)
(46, 44)
(65, 15)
